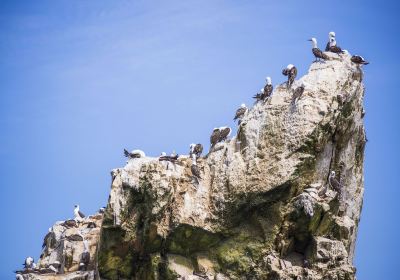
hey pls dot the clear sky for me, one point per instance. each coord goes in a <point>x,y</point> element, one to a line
<point>81,80</point>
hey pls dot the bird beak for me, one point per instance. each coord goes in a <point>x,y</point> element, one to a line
<point>309,40</point>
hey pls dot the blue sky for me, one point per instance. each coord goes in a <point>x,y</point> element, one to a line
<point>81,80</point>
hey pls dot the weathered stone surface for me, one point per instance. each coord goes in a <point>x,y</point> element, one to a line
<point>263,208</point>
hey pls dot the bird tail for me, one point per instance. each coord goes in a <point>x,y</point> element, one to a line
<point>126,153</point>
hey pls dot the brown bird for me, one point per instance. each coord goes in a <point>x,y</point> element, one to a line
<point>225,132</point>
<point>240,112</point>
<point>357,59</point>
<point>298,92</point>
<point>215,135</point>
<point>316,51</point>
<point>291,72</point>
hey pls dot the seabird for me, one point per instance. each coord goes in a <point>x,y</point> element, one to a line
<point>240,112</point>
<point>49,240</point>
<point>69,223</point>
<point>224,133</point>
<point>268,88</point>
<point>172,158</point>
<point>333,47</point>
<point>85,257</point>
<point>196,149</point>
<point>259,96</point>
<point>316,51</point>
<point>335,184</point>
<point>298,92</point>
<point>359,60</point>
<point>29,263</point>
<point>215,135</point>
<point>330,40</point>
<point>195,170</point>
<point>291,72</point>
<point>102,209</point>
<point>134,154</point>
<point>78,214</point>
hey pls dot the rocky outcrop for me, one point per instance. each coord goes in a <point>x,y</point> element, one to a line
<point>263,208</point>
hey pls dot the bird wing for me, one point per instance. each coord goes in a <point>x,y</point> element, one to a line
<point>224,133</point>
<point>285,72</point>
<point>81,214</point>
<point>214,137</point>
<point>328,45</point>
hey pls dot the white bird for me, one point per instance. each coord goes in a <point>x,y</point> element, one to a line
<point>78,214</point>
<point>29,263</point>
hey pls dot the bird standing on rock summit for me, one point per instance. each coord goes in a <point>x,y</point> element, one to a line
<point>240,113</point>
<point>291,72</point>
<point>331,37</point>
<point>316,51</point>
<point>78,214</point>
<point>332,46</point>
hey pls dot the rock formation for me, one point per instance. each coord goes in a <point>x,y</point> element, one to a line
<point>263,208</point>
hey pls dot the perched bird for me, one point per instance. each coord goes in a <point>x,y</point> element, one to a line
<point>224,133</point>
<point>359,60</point>
<point>268,88</point>
<point>298,92</point>
<point>331,37</point>
<point>316,51</point>
<point>102,209</point>
<point>196,149</point>
<point>85,257</point>
<point>335,184</point>
<point>259,96</point>
<point>78,214</point>
<point>215,135</point>
<point>291,72</point>
<point>29,263</point>
<point>134,154</point>
<point>49,241</point>
<point>172,158</point>
<point>195,170</point>
<point>69,223</point>
<point>240,113</point>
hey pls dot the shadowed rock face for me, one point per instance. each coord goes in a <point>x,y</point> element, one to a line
<point>263,208</point>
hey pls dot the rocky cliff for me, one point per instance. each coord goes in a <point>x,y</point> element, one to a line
<point>263,208</point>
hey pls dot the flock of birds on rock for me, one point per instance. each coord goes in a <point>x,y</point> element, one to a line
<point>222,133</point>
<point>195,150</point>
<point>50,243</point>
